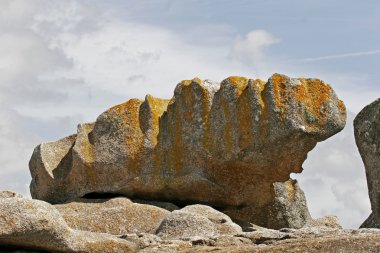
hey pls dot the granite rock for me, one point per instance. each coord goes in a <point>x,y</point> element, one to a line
<point>116,216</point>
<point>37,225</point>
<point>226,145</point>
<point>367,137</point>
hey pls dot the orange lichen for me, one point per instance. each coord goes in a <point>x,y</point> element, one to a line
<point>157,107</point>
<point>313,94</point>
<point>290,189</point>
<point>88,153</point>
<point>341,106</point>
<point>239,82</point>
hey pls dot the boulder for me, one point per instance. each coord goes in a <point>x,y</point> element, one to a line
<point>116,216</point>
<point>225,145</point>
<point>37,225</point>
<point>196,220</point>
<point>329,221</point>
<point>367,137</point>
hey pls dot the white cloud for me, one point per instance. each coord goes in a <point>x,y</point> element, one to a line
<point>251,49</point>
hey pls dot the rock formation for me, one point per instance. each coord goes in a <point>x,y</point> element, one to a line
<point>116,216</point>
<point>367,136</point>
<point>226,145</point>
<point>37,225</point>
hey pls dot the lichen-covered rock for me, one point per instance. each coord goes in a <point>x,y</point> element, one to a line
<point>116,216</point>
<point>224,145</point>
<point>367,137</point>
<point>37,225</point>
<point>196,220</point>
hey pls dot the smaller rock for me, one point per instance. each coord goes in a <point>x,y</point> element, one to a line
<point>9,194</point>
<point>181,224</point>
<point>196,220</point>
<point>367,138</point>
<point>37,225</point>
<point>223,223</point>
<point>370,222</point>
<point>116,216</point>
<point>330,221</point>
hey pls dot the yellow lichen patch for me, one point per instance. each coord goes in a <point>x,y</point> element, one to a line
<point>280,91</point>
<point>246,111</point>
<point>314,94</point>
<point>88,148</point>
<point>125,117</point>
<point>239,82</point>
<point>341,106</point>
<point>157,107</point>
<point>259,85</point>
<point>290,189</point>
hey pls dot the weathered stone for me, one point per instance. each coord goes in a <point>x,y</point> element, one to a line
<point>330,221</point>
<point>179,225</point>
<point>288,209</point>
<point>9,194</point>
<point>34,224</point>
<point>222,145</point>
<point>370,222</point>
<point>49,168</point>
<point>196,220</point>
<point>367,137</point>
<point>118,216</point>
<point>310,239</point>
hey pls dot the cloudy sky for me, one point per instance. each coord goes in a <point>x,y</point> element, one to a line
<point>64,62</point>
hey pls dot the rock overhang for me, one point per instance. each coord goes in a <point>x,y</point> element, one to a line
<point>220,144</point>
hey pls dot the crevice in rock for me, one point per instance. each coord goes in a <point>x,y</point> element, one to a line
<point>102,195</point>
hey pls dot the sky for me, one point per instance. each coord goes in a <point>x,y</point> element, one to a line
<point>65,62</point>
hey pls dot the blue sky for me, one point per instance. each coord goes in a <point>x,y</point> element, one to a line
<point>64,62</point>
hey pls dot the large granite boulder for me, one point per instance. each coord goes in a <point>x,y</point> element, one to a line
<point>367,136</point>
<point>37,225</point>
<point>225,145</point>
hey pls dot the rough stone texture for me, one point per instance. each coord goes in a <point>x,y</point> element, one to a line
<point>224,145</point>
<point>37,225</point>
<point>222,223</point>
<point>196,220</point>
<point>289,207</point>
<point>330,221</point>
<point>311,239</point>
<point>9,194</point>
<point>116,216</point>
<point>367,137</point>
<point>370,222</point>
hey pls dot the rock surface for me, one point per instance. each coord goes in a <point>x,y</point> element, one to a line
<point>116,216</point>
<point>225,145</point>
<point>37,225</point>
<point>318,239</point>
<point>196,220</point>
<point>367,137</point>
